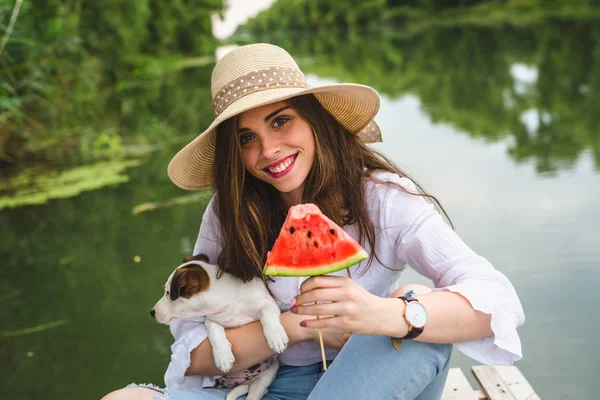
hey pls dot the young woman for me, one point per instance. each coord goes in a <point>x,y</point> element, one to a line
<point>275,143</point>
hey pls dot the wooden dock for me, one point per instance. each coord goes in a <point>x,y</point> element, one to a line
<point>497,383</point>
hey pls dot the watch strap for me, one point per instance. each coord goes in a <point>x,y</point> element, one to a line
<point>413,331</point>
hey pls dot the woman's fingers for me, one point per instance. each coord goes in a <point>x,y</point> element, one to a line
<point>323,323</point>
<point>329,294</point>
<point>323,282</point>
<point>320,310</point>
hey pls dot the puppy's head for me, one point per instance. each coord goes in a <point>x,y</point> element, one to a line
<point>184,291</point>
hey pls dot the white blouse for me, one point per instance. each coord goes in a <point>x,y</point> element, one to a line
<point>409,232</point>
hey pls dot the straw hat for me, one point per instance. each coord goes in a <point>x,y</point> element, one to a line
<point>258,74</point>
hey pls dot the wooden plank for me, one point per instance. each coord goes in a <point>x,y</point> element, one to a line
<point>504,383</point>
<point>458,387</point>
<point>481,395</point>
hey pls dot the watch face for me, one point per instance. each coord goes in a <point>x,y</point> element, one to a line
<point>416,314</point>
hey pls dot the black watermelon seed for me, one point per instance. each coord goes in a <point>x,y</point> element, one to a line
<point>292,229</point>
<point>332,231</point>
<point>316,244</point>
<point>309,234</point>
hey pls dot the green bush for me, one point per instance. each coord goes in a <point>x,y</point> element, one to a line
<point>72,69</point>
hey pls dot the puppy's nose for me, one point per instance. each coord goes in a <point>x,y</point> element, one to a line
<point>153,313</point>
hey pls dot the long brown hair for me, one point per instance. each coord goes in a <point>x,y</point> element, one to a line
<point>251,211</point>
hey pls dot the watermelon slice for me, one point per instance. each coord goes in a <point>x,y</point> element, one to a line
<point>311,244</point>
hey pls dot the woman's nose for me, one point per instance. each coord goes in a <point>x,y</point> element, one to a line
<point>270,147</point>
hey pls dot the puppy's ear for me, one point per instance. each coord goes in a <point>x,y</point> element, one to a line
<point>197,257</point>
<point>189,280</point>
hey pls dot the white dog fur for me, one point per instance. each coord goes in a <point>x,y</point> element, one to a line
<point>226,302</point>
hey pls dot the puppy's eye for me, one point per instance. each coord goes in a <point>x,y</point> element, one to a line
<point>167,294</point>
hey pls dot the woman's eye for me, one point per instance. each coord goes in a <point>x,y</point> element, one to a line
<point>245,139</point>
<point>279,121</point>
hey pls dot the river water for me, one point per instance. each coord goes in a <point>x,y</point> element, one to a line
<point>501,125</point>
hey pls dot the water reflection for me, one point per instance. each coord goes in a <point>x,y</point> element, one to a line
<point>139,117</point>
<point>73,259</point>
<point>536,87</point>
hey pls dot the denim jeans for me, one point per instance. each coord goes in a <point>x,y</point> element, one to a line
<point>367,368</point>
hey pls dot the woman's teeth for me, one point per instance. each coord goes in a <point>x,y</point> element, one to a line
<point>281,167</point>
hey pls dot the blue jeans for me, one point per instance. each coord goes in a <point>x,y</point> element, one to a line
<point>367,368</point>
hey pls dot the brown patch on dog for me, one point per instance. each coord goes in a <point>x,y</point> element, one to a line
<point>197,257</point>
<point>189,280</point>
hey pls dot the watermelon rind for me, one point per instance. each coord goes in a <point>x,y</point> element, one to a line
<point>281,270</point>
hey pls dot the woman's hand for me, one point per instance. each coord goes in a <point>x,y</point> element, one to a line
<point>348,307</point>
<point>334,338</point>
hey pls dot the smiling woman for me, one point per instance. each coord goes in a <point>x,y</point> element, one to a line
<point>275,143</point>
<point>278,147</point>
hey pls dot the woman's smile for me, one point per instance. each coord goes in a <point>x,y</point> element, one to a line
<point>282,167</point>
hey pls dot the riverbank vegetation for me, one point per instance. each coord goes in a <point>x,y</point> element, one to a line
<point>410,15</point>
<point>101,77</point>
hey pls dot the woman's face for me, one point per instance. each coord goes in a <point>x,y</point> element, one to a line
<point>278,147</point>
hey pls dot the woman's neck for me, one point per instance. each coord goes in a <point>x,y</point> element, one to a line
<point>292,198</point>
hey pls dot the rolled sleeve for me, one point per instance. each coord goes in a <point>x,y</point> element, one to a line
<point>427,244</point>
<point>188,333</point>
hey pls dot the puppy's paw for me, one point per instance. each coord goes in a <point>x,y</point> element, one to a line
<point>224,359</point>
<point>277,338</point>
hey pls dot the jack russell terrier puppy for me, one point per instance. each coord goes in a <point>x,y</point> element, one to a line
<point>194,290</point>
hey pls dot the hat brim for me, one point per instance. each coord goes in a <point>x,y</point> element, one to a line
<point>352,105</point>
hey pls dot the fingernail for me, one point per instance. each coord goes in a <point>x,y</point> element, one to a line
<point>293,302</point>
<point>294,309</point>
<point>303,324</point>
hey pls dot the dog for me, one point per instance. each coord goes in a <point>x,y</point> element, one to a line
<point>194,290</point>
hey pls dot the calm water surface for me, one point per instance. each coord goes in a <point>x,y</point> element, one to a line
<point>516,171</point>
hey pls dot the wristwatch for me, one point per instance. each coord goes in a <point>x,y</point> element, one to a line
<point>415,315</point>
